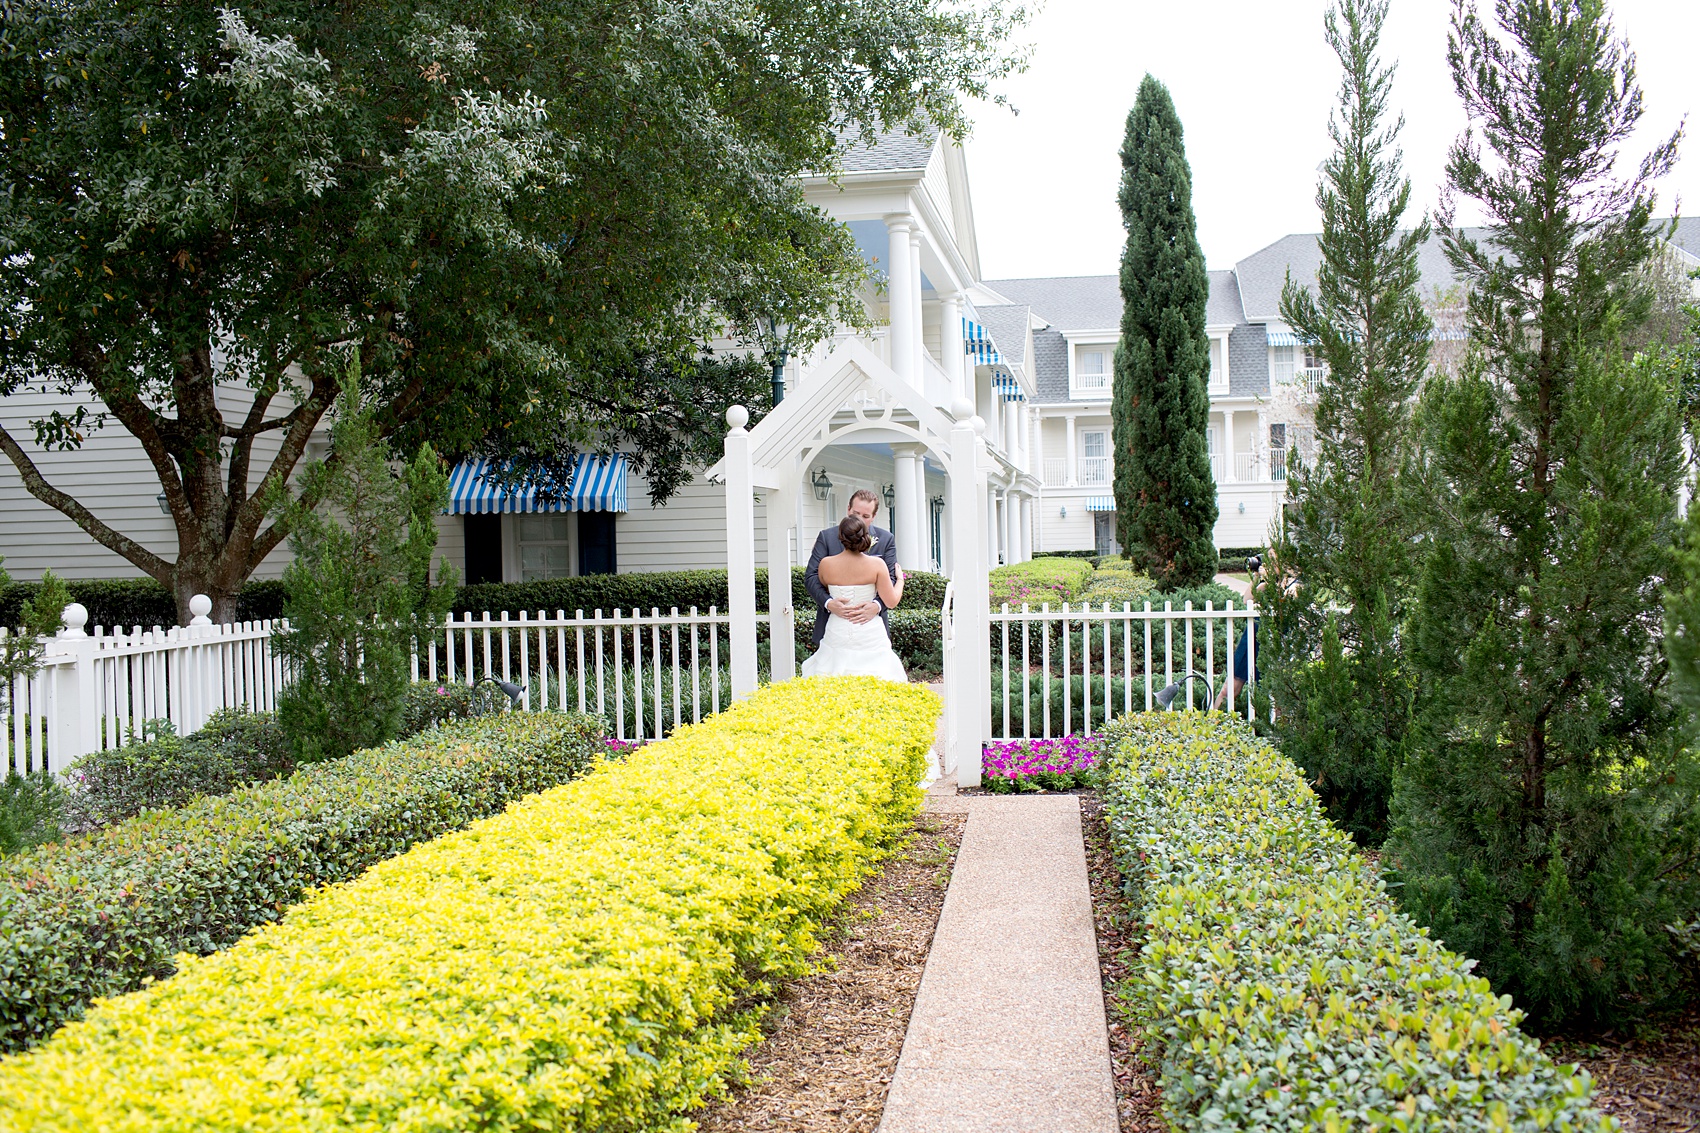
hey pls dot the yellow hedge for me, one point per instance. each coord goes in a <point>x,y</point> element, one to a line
<point>587,960</point>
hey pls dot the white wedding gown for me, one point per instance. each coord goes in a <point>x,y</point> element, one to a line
<point>850,650</point>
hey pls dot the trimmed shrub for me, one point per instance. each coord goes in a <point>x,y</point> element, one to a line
<point>131,602</point>
<point>1285,988</point>
<point>103,914</point>
<point>1053,580</point>
<point>430,703</point>
<point>594,959</point>
<point>234,749</point>
<point>1117,587</point>
<point>661,590</point>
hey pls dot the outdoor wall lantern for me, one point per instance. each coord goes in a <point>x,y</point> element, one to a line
<point>890,494</point>
<point>164,506</point>
<point>823,486</point>
<point>1063,511</point>
<point>1242,507</point>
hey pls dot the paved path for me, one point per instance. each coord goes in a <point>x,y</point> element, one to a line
<point>1008,1030</point>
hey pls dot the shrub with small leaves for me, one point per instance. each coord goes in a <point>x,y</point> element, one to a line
<point>1282,987</point>
<point>103,914</point>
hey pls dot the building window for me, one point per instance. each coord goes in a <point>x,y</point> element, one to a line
<point>1281,364</point>
<point>545,547</point>
<point>1095,456</point>
<point>1214,446</point>
<point>1278,450</point>
<point>596,543</point>
<point>1218,372</point>
<point>1092,370</point>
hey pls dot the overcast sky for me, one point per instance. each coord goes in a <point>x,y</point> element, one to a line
<point>1253,82</point>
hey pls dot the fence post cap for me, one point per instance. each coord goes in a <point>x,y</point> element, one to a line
<point>200,606</point>
<point>75,617</point>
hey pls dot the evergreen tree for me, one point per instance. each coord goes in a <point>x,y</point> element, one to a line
<point>1538,819</point>
<point>1160,405</point>
<point>359,592</point>
<point>1342,688</point>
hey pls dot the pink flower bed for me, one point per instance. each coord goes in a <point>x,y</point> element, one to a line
<point>1038,765</point>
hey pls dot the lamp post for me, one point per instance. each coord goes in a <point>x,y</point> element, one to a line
<point>778,352</point>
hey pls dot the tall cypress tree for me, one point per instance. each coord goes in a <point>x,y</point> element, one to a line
<point>1538,818</point>
<point>1160,406</point>
<point>1343,690</point>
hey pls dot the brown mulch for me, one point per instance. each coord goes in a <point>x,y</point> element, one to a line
<point>1649,1081</point>
<point>1137,1093</point>
<point>834,1037</point>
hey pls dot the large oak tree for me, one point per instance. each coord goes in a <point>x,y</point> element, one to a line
<point>526,219</point>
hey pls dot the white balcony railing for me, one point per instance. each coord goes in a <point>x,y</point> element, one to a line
<point>1310,379</point>
<point>1246,466</point>
<point>1094,471</point>
<point>1056,472</point>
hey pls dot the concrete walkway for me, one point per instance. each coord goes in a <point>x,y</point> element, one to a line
<point>1008,1030</point>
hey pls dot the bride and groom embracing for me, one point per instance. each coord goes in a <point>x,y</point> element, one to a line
<point>854,579</point>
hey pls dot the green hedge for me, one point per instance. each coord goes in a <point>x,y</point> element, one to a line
<point>1053,580</point>
<point>595,958</point>
<point>1285,988</point>
<point>129,602</point>
<point>659,590</point>
<point>101,915</point>
<point>232,750</point>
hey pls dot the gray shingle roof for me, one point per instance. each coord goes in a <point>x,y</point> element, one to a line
<point>1050,365</point>
<point>1248,360</point>
<point>1223,307</point>
<point>1688,235</point>
<point>1008,328</point>
<point>1072,302</point>
<point>892,151</point>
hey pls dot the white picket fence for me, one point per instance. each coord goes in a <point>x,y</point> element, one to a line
<point>1075,668</point>
<point>646,673</point>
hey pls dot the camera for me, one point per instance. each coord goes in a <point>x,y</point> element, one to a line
<point>1253,564</point>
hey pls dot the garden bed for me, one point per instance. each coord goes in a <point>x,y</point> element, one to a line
<point>833,1040</point>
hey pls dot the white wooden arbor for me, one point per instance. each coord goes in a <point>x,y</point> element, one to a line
<point>853,397</point>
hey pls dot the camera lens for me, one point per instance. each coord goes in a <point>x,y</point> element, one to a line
<point>1254,564</point>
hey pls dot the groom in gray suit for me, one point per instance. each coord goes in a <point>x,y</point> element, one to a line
<point>865,505</point>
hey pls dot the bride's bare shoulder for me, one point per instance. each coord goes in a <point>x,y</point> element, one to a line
<point>846,569</point>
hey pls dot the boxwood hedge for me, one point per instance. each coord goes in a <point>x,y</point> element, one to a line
<point>661,590</point>
<point>1284,988</point>
<point>593,959</point>
<point>103,914</point>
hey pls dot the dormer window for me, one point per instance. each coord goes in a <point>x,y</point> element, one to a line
<point>1092,370</point>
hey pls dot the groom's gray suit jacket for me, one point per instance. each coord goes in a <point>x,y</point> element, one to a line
<point>827,543</point>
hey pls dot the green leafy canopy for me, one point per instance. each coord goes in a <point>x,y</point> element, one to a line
<point>512,213</point>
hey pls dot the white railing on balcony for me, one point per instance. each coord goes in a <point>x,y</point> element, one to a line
<point>1310,379</point>
<point>1216,467</point>
<point>1246,466</point>
<point>1094,471</point>
<point>1056,471</point>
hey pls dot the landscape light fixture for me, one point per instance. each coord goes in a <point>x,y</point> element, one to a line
<point>1165,698</point>
<point>823,486</point>
<point>890,495</point>
<point>164,505</point>
<point>511,690</point>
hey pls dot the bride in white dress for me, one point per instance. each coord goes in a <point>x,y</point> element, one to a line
<point>848,649</point>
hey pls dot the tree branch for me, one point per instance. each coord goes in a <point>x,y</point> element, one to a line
<point>38,487</point>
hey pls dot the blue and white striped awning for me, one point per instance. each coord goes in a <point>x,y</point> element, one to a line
<point>977,341</point>
<point>1284,338</point>
<point>598,484</point>
<point>1007,387</point>
<point>1100,503</point>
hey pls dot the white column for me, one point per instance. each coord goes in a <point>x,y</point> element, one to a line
<point>1011,433</point>
<point>901,276</point>
<point>741,552</point>
<point>923,513</point>
<point>782,636</point>
<point>953,355</point>
<point>1071,477</point>
<point>1260,445</point>
<point>915,290</point>
<point>910,553</point>
<point>1026,528</point>
<point>1230,469</point>
<point>968,660</point>
<point>994,537</point>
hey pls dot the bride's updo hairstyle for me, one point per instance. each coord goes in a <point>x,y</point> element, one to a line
<point>853,533</point>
